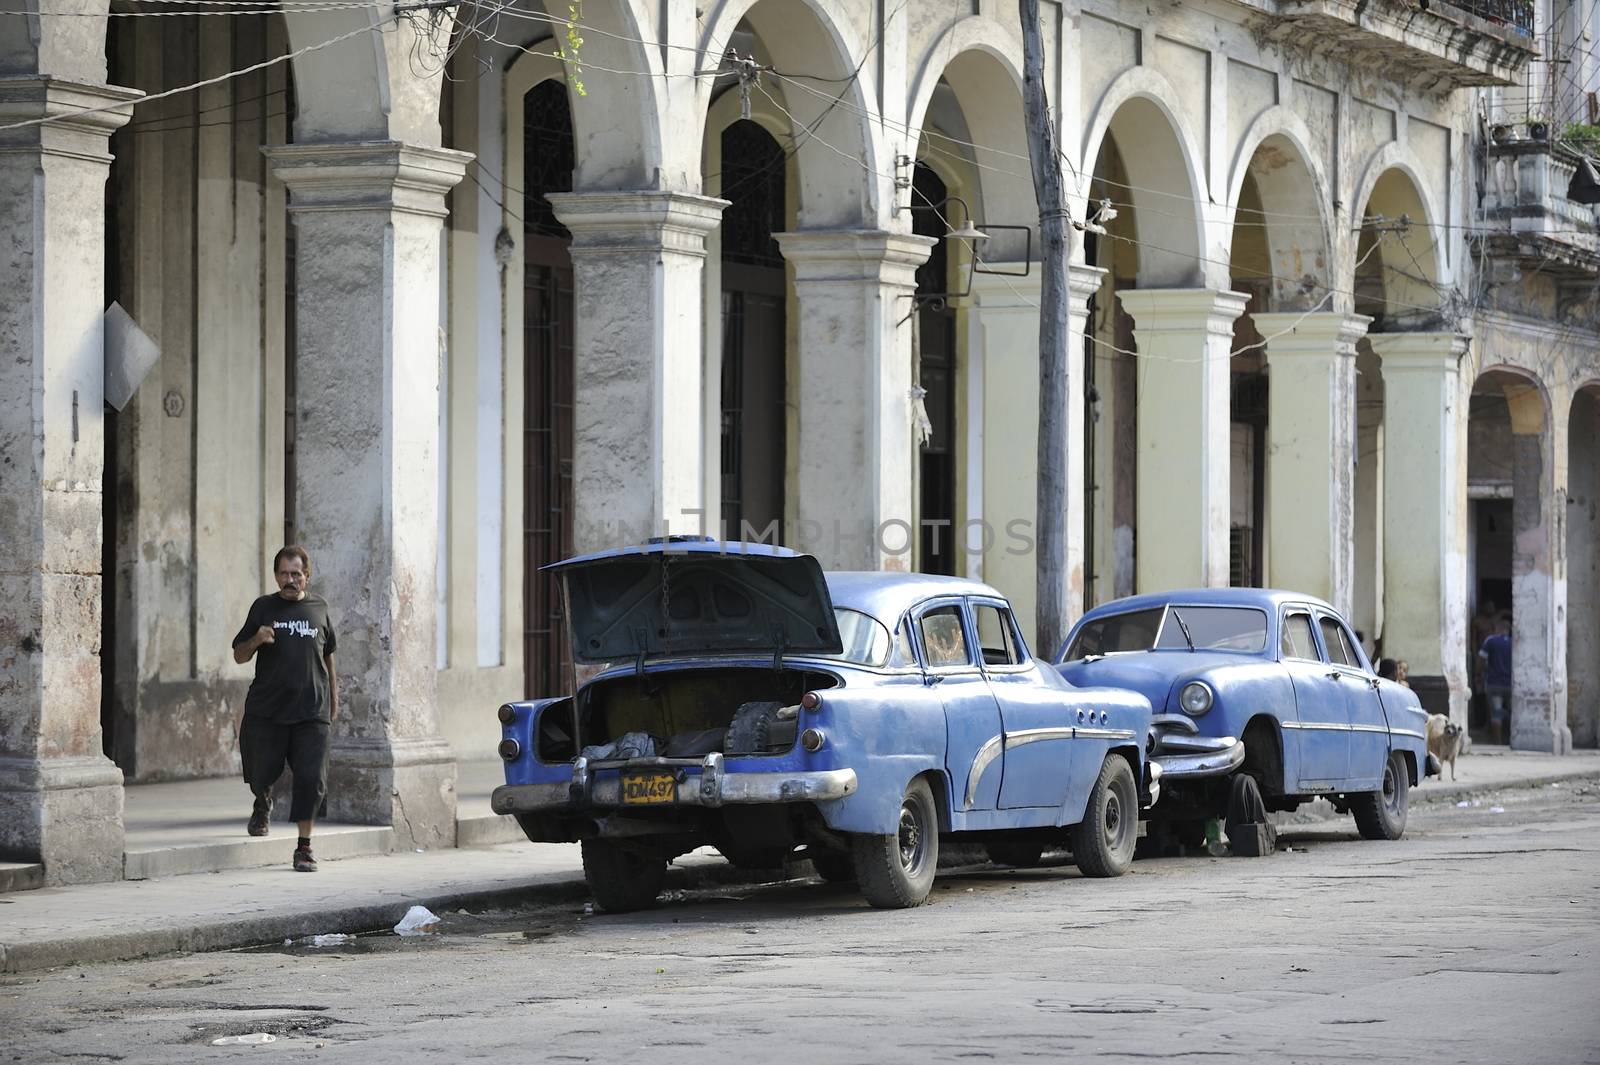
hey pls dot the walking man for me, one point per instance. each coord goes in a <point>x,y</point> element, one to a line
<point>293,699</point>
<point>1495,658</point>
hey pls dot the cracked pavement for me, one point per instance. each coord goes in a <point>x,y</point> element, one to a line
<point>1474,939</point>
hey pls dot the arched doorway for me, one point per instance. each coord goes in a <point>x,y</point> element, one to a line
<point>548,162</point>
<point>754,415</point>
<point>1508,560</point>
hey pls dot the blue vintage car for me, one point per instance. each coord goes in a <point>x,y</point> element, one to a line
<point>1269,685</point>
<point>746,701</point>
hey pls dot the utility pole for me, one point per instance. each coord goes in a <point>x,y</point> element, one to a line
<point>1052,484</point>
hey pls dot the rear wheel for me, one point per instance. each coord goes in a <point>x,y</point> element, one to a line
<point>1104,840</point>
<point>1020,853</point>
<point>896,871</point>
<point>1381,814</point>
<point>621,880</point>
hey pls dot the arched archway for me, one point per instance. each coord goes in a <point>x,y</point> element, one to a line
<point>1398,266</point>
<point>813,37</point>
<point>1583,566</point>
<point>1171,383</point>
<point>1513,574</point>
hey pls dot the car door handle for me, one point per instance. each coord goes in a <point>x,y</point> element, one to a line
<point>1333,674</point>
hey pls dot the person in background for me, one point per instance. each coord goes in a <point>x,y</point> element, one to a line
<point>1495,659</point>
<point>1386,668</point>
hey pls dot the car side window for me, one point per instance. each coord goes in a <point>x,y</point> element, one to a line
<point>1338,644</point>
<point>944,639</point>
<point>1297,641</point>
<point>995,635</point>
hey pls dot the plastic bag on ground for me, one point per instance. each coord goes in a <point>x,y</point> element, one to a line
<point>418,921</point>
<point>253,1039</point>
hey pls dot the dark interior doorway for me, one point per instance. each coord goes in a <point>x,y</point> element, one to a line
<point>548,159</point>
<point>936,375</point>
<point>754,336</point>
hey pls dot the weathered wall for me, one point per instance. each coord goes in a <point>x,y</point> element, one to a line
<point>1583,571</point>
<point>199,450</point>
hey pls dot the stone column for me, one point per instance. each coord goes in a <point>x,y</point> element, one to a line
<point>1538,579</point>
<point>1311,452</point>
<point>1082,282</point>
<point>1006,311</point>
<point>367,219</point>
<point>1184,337</point>
<point>855,440</point>
<point>1424,514</point>
<point>638,262</point>
<point>60,798</point>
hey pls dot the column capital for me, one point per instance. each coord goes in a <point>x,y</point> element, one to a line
<point>1324,333</point>
<point>1420,352</point>
<point>638,220</point>
<point>367,176</point>
<point>995,292</point>
<point>1184,310</point>
<point>81,116</point>
<point>1084,280</point>
<point>855,255</point>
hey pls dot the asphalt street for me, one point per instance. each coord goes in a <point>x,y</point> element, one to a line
<point>1474,939</point>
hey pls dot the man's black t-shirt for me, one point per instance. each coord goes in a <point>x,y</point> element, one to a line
<point>291,682</point>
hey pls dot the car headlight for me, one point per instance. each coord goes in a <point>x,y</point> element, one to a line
<point>1195,698</point>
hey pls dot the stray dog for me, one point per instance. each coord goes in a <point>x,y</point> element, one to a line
<point>1444,742</point>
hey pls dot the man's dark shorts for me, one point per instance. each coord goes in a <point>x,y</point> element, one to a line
<point>265,747</point>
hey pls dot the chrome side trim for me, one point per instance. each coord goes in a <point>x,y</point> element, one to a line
<point>1384,729</point>
<point>1326,726</point>
<point>1023,737</point>
<point>1104,733</point>
<point>1407,732</point>
<point>984,758</point>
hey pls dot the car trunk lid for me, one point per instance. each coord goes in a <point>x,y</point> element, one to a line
<point>692,597</point>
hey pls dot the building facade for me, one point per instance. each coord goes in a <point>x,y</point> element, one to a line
<point>446,294</point>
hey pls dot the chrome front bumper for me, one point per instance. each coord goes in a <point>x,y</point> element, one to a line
<point>1182,754</point>
<point>713,786</point>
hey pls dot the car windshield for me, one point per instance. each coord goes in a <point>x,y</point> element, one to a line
<point>1212,628</point>
<point>866,642</point>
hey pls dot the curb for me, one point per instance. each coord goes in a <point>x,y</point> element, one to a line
<point>1439,792</point>
<point>237,933</point>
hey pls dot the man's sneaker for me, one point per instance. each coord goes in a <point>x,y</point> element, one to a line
<point>258,820</point>
<point>303,862</point>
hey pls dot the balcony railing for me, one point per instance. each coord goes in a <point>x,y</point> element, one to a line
<point>1518,14</point>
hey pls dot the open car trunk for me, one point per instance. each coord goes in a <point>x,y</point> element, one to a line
<point>735,710</point>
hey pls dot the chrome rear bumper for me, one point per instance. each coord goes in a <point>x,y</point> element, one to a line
<point>713,786</point>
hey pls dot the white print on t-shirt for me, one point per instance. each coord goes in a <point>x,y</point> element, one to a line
<point>297,627</point>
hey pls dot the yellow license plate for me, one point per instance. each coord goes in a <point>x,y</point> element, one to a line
<point>643,789</point>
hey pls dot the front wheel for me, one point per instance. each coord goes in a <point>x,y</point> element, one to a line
<point>621,880</point>
<point>1104,840</point>
<point>896,871</point>
<point>1381,814</point>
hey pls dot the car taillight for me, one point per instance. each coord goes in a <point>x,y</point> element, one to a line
<point>811,700</point>
<point>507,714</point>
<point>812,739</point>
<point>509,749</point>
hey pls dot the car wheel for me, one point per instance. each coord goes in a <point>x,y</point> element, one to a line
<point>1020,853</point>
<point>1381,814</point>
<point>1104,840</point>
<point>833,866</point>
<point>896,871</point>
<point>621,880</point>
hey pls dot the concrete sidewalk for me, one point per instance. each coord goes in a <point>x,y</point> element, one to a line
<point>240,907</point>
